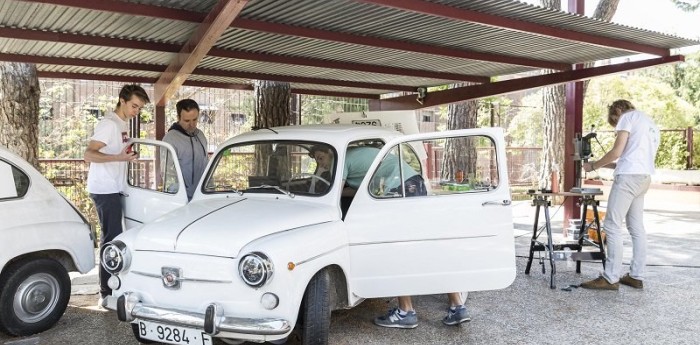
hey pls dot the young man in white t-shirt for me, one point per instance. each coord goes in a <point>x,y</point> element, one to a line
<point>107,154</point>
<point>635,150</point>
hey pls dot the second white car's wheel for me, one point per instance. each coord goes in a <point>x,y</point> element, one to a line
<point>33,296</point>
<point>316,312</point>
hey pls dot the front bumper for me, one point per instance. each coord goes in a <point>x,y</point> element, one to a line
<point>129,308</point>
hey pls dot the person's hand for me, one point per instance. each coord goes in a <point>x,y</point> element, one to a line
<point>588,166</point>
<point>128,154</point>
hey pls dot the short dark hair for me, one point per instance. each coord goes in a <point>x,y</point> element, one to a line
<point>130,90</point>
<point>317,148</point>
<point>186,105</point>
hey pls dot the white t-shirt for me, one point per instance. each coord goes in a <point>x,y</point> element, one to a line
<point>642,144</point>
<point>109,177</point>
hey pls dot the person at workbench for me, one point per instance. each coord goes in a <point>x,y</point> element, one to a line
<point>636,144</point>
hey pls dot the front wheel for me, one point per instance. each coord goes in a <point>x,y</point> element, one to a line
<point>33,296</point>
<point>316,312</point>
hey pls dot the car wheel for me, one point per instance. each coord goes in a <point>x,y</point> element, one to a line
<point>316,313</point>
<point>33,296</point>
<point>137,335</point>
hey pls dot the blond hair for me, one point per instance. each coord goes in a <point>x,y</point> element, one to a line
<point>621,104</point>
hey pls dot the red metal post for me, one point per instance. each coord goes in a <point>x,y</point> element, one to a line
<point>689,145</point>
<point>573,125</point>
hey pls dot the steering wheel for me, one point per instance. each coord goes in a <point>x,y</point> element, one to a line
<point>313,177</point>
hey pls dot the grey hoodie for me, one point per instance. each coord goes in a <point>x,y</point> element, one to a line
<point>191,154</point>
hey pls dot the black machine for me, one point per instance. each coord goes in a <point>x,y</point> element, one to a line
<point>582,152</point>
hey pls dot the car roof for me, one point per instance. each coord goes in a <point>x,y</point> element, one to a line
<point>334,134</point>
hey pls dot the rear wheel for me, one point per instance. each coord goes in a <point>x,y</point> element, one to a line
<point>33,296</point>
<point>316,312</point>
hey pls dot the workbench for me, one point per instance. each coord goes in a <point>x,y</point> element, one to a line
<point>555,252</point>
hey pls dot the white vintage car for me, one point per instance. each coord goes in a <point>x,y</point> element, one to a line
<point>269,244</point>
<point>42,238</point>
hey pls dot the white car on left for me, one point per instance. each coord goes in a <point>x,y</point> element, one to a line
<point>42,238</point>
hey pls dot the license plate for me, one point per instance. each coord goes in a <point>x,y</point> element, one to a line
<point>173,334</point>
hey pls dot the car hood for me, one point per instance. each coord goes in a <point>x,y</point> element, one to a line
<point>221,227</point>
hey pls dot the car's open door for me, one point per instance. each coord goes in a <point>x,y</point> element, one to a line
<point>154,184</point>
<point>453,234</point>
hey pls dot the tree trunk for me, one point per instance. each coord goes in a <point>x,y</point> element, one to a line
<point>604,11</point>
<point>19,109</point>
<point>459,155</point>
<point>554,106</point>
<point>272,108</point>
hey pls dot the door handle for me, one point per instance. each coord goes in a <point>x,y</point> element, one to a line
<point>496,203</point>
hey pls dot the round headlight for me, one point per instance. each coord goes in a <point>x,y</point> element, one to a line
<point>255,269</point>
<point>115,257</point>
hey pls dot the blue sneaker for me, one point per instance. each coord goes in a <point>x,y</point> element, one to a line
<point>456,315</point>
<point>394,319</point>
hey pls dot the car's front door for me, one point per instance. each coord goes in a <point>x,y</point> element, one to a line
<point>447,228</point>
<point>154,183</point>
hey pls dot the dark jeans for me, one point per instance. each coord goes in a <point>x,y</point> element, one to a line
<point>109,210</point>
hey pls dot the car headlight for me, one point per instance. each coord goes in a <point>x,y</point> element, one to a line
<point>255,269</point>
<point>115,257</point>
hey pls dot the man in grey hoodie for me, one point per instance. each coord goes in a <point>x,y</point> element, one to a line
<point>190,144</point>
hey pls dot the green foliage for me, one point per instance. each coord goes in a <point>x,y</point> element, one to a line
<point>687,5</point>
<point>654,97</point>
<point>314,109</point>
<point>525,128</point>
<point>683,77</point>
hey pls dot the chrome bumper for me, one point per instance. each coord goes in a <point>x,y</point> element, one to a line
<point>129,307</point>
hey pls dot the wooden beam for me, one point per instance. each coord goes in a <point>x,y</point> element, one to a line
<point>146,80</point>
<point>35,35</point>
<point>197,47</point>
<point>497,88</point>
<point>200,71</point>
<point>450,12</point>
<point>289,30</point>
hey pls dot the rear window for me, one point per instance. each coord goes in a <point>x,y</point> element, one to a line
<point>14,183</point>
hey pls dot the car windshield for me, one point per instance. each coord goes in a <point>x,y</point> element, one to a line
<point>275,167</point>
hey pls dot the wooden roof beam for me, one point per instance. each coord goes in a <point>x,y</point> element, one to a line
<point>444,11</point>
<point>197,47</point>
<point>198,71</point>
<point>289,30</point>
<point>36,35</point>
<point>146,80</point>
<point>502,87</point>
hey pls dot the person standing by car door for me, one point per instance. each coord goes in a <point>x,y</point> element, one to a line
<point>190,144</point>
<point>108,156</point>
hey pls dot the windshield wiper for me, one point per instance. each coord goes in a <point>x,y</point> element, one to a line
<point>267,186</point>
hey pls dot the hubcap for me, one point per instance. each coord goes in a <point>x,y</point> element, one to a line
<point>36,297</point>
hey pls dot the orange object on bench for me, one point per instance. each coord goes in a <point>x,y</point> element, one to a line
<point>592,233</point>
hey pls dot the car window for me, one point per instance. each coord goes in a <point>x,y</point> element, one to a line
<point>399,174</point>
<point>14,183</point>
<point>437,167</point>
<point>153,170</point>
<point>299,167</point>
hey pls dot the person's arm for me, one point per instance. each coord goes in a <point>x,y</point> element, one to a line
<point>612,155</point>
<point>93,154</point>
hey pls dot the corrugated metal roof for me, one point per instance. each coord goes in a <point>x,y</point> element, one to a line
<point>314,57</point>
